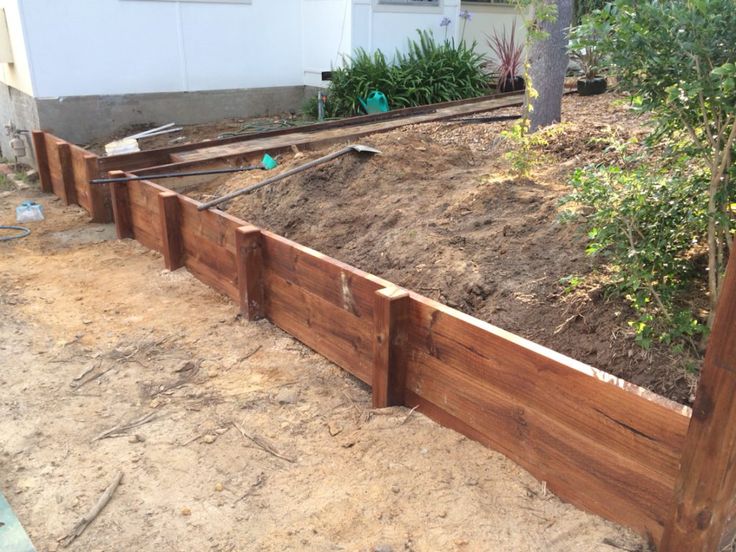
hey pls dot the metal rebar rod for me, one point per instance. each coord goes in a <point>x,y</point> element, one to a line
<point>177,175</point>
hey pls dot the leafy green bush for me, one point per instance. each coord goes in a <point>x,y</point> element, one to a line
<point>678,60</point>
<point>429,72</point>
<point>647,224</point>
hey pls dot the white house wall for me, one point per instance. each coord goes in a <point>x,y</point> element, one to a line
<point>104,47</point>
<point>489,17</point>
<point>388,27</point>
<point>326,38</point>
<point>18,73</point>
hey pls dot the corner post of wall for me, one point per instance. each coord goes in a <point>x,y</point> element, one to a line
<point>67,173</point>
<point>42,160</point>
<point>390,354</point>
<point>169,210</point>
<point>249,258</point>
<point>121,206</point>
<point>100,208</point>
<point>703,514</point>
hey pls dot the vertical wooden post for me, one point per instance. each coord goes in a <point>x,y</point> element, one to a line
<point>169,210</point>
<point>704,508</point>
<point>99,196</point>
<point>121,207</point>
<point>67,173</point>
<point>42,160</point>
<point>391,322</point>
<point>249,249</point>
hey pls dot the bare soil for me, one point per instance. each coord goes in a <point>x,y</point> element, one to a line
<point>95,334</point>
<point>203,132</point>
<point>441,212</point>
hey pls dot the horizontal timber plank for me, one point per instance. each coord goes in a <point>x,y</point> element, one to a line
<point>336,282</point>
<point>330,330</point>
<point>516,393</point>
<point>545,377</point>
<point>573,467</point>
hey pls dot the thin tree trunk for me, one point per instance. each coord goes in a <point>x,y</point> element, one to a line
<point>548,59</point>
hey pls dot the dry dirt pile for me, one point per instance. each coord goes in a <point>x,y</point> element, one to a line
<point>439,213</point>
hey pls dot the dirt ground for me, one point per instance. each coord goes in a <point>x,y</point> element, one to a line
<point>203,132</point>
<point>248,440</point>
<point>441,213</point>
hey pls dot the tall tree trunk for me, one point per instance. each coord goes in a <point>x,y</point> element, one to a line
<point>548,59</point>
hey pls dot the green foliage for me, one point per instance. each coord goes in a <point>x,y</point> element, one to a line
<point>584,41</point>
<point>524,148</point>
<point>584,7</point>
<point>678,60</point>
<point>647,225</point>
<point>429,72</point>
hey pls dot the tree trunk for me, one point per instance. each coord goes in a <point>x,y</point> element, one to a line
<point>548,59</point>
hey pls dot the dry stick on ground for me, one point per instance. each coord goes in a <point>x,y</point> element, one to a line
<point>263,444</point>
<point>83,523</point>
<point>260,480</point>
<point>80,384</point>
<point>121,429</point>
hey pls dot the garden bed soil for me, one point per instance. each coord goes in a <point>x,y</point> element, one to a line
<point>440,213</point>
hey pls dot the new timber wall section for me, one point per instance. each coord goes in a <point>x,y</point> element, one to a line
<point>601,443</point>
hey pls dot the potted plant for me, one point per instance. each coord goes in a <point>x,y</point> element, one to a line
<point>509,55</point>
<point>583,48</point>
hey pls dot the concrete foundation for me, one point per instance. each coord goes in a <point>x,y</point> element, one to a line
<point>81,119</point>
<point>20,109</point>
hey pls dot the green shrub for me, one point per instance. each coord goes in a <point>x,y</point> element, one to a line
<point>428,72</point>
<point>648,225</point>
<point>678,60</point>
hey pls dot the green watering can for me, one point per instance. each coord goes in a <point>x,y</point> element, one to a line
<point>376,102</point>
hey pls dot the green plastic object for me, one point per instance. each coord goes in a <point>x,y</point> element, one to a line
<point>269,163</point>
<point>13,537</point>
<point>376,102</point>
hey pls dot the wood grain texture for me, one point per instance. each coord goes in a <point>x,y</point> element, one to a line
<point>42,160</point>
<point>82,186</point>
<point>145,214</point>
<point>208,239</point>
<point>522,397</point>
<point>338,283</point>
<point>702,514</point>
<point>55,171</point>
<point>390,347</point>
<point>122,209</point>
<point>66,165</point>
<point>249,253</point>
<point>170,222</point>
<point>332,331</point>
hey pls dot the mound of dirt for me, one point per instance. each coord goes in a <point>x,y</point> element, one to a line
<point>439,213</point>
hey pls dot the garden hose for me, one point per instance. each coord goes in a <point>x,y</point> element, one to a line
<point>23,232</point>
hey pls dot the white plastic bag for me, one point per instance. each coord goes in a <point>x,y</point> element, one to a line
<point>29,211</point>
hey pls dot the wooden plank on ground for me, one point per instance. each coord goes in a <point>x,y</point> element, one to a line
<point>492,380</point>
